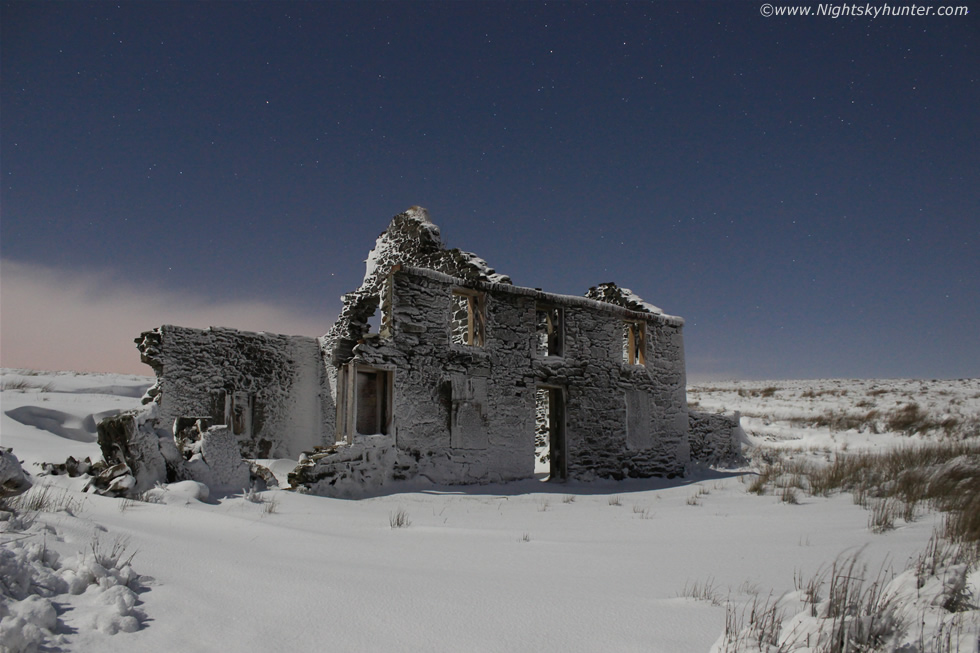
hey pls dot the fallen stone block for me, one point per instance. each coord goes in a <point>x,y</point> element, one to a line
<point>13,479</point>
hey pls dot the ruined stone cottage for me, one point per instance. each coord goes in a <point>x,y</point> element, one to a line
<point>440,369</point>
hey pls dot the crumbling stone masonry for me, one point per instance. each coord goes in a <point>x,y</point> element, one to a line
<point>269,389</point>
<point>716,439</point>
<point>460,375</point>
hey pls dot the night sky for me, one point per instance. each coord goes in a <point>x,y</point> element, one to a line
<point>805,192</point>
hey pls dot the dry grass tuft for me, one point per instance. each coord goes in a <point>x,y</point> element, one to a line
<point>44,498</point>
<point>399,519</point>
<point>944,476</point>
<point>705,591</point>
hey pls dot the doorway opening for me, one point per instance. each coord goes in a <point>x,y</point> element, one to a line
<point>550,457</point>
<point>364,402</point>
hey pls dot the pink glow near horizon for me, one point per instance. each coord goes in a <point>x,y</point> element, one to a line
<point>86,321</point>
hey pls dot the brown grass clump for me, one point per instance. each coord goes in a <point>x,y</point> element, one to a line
<point>944,476</point>
<point>909,419</point>
<point>768,391</point>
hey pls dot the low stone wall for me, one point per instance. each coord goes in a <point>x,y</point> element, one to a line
<point>352,470</point>
<point>716,439</point>
<point>375,462</point>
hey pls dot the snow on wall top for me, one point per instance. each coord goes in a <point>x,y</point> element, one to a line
<point>628,311</point>
<point>610,293</point>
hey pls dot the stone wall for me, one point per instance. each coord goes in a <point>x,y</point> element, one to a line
<point>622,420</point>
<point>467,414</point>
<point>478,398</point>
<point>716,439</point>
<point>273,386</point>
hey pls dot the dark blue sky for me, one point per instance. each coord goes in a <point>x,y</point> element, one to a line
<point>804,191</point>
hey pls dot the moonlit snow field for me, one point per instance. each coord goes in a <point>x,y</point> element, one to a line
<point>527,566</point>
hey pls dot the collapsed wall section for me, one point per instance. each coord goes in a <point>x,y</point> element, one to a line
<point>268,388</point>
<point>410,239</point>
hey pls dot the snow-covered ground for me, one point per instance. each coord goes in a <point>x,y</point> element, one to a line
<point>836,413</point>
<point>529,566</point>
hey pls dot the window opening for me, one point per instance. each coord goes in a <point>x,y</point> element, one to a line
<point>550,331</point>
<point>375,321</point>
<point>387,318</point>
<point>468,321</point>
<point>634,343</point>
<point>238,411</point>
